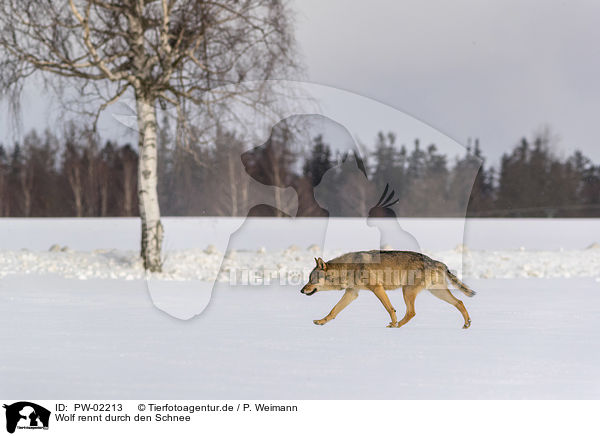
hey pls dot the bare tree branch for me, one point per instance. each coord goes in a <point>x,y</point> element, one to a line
<point>206,57</point>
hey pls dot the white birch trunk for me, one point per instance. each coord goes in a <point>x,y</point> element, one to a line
<point>152,230</point>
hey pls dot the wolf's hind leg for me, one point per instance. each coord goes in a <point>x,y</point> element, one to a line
<point>410,294</point>
<point>348,297</point>
<point>446,295</point>
<point>379,291</point>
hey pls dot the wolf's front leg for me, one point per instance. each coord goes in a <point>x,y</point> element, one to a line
<point>348,297</point>
<point>379,291</point>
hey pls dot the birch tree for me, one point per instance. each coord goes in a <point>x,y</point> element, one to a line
<point>162,52</point>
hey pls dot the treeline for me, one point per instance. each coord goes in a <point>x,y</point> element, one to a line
<point>79,175</point>
<point>45,176</point>
<point>532,181</point>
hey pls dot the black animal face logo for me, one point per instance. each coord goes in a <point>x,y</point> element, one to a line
<point>31,414</point>
<point>383,208</point>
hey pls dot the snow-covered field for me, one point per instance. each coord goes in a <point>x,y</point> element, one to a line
<point>104,339</point>
<point>535,332</point>
<point>211,265</point>
<point>199,249</point>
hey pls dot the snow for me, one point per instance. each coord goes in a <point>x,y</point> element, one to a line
<point>80,319</point>
<point>530,339</point>
<point>210,265</point>
<point>200,249</point>
<point>87,234</point>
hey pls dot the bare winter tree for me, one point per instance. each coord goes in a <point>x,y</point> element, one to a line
<point>162,52</point>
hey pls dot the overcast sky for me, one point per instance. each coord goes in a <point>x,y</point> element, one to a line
<point>496,70</point>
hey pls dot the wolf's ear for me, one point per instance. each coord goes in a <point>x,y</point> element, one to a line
<point>321,264</point>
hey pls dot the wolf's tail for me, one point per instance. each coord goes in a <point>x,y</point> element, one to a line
<point>460,285</point>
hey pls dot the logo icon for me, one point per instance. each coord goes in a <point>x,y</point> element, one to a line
<point>26,415</point>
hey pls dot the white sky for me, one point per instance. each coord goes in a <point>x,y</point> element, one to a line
<point>496,70</point>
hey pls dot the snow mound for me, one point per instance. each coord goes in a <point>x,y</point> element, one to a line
<point>209,265</point>
<point>211,249</point>
<point>314,248</point>
<point>461,248</point>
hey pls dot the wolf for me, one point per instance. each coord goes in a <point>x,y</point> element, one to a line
<point>379,271</point>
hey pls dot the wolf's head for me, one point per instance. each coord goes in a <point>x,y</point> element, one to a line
<point>322,278</point>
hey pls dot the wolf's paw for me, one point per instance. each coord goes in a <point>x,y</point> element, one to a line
<point>319,321</point>
<point>467,324</point>
<point>392,325</point>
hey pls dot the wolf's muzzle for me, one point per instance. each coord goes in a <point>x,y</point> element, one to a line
<point>308,293</point>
